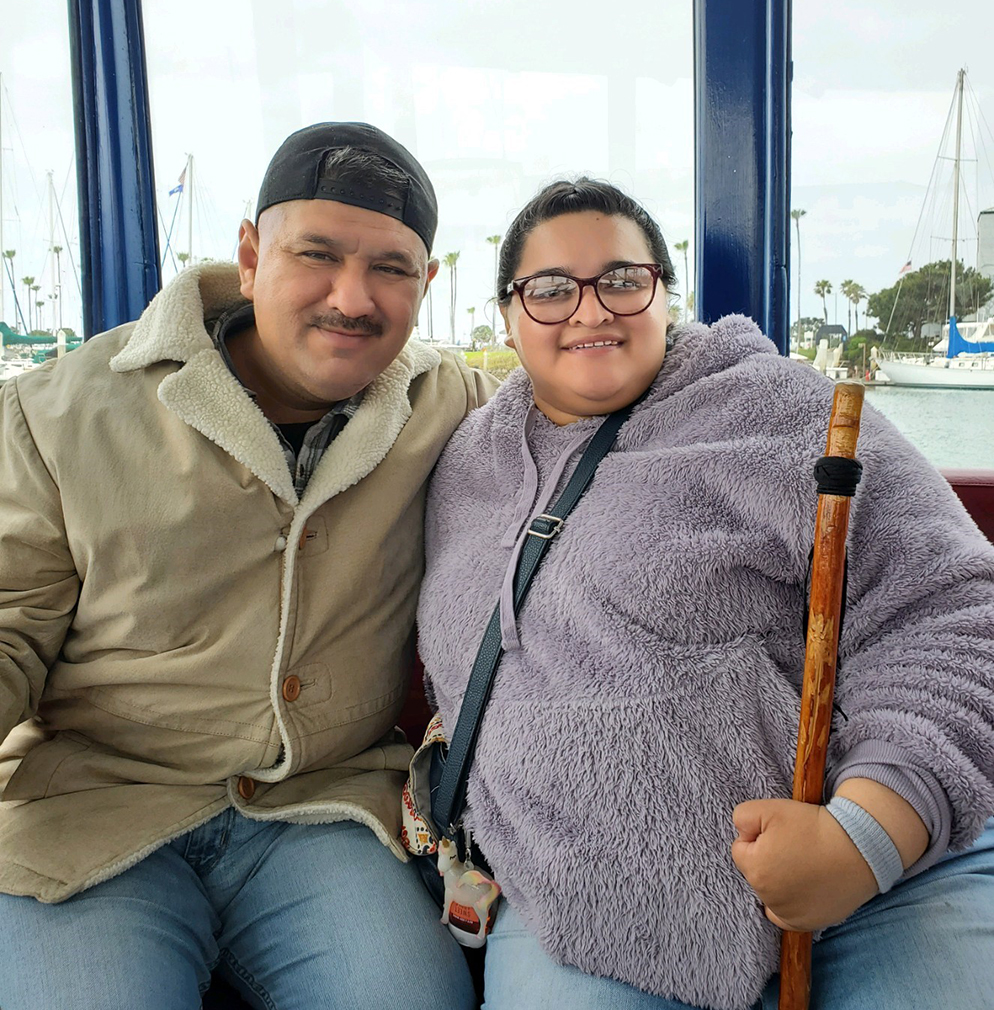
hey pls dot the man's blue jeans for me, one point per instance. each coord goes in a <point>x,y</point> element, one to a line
<point>296,917</point>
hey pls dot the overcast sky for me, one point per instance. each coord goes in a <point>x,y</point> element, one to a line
<point>497,97</point>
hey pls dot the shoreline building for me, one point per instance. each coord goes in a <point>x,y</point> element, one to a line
<point>985,243</point>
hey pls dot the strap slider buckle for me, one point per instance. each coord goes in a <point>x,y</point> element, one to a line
<point>545,526</point>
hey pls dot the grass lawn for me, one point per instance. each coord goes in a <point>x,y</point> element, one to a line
<point>497,362</point>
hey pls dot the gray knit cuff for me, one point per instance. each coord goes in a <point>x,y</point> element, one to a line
<point>893,767</point>
<point>874,844</point>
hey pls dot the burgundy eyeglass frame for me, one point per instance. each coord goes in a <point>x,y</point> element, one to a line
<point>516,287</point>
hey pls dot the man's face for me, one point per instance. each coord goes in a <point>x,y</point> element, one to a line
<point>336,291</point>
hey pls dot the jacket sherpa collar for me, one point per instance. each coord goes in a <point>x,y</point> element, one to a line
<point>205,394</point>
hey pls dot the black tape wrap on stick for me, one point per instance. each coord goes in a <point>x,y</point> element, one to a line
<point>838,475</point>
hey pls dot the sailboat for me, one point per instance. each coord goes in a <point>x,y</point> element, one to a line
<point>956,362</point>
<point>964,358</point>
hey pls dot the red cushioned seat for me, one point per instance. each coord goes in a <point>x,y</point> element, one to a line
<point>976,490</point>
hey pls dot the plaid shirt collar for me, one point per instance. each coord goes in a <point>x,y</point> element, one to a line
<point>320,434</point>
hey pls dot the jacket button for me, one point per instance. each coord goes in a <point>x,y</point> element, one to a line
<point>246,787</point>
<point>303,539</point>
<point>280,544</point>
<point>291,687</point>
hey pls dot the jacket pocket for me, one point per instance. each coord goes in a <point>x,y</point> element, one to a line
<point>33,777</point>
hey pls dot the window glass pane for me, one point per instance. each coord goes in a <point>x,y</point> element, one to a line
<point>495,99</point>
<point>39,231</point>
<point>873,93</point>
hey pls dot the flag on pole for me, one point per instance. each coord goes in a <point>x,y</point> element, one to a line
<point>182,179</point>
<point>906,269</point>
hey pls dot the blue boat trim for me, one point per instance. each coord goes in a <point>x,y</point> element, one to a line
<point>958,344</point>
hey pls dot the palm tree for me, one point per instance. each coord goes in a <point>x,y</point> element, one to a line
<point>846,287</point>
<point>682,247</point>
<point>472,319</point>
<point>9,254</point>
<point>450,260</point>
<point>494,240</point>
<point>27,282</point>
<point>182,257</point>
<point>36,288</point>
<point>797,215</point>
<point>823,288</point>
<point>856,294</point>
<point>40,304</point>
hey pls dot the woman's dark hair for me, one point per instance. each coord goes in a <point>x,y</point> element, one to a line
<point>570,196</point>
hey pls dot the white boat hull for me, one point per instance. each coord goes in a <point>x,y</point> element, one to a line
<point>943,373</point>
<point>11,369</point>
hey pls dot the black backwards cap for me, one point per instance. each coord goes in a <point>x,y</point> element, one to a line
<point>295,174</point>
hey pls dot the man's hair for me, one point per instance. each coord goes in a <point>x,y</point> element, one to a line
<point>571,196</point>
<point>353,164</point>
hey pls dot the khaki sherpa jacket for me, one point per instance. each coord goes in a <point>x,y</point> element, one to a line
<point>160,581</point>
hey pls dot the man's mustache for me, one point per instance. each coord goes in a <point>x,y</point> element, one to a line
<point>336,321</point>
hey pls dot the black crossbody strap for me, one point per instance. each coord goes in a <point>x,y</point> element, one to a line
<point>450,797</point>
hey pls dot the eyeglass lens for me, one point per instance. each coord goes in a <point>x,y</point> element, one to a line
<point>624,291</point>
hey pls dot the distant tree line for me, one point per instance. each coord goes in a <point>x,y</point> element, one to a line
<point>903,310</point>
<point>922,297</point>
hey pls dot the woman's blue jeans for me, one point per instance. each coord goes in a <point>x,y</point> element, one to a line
<point>928,944</point>
<point>296,917</point>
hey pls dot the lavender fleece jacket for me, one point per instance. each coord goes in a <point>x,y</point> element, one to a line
<point>652,679</point>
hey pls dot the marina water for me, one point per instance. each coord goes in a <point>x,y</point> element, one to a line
<point>952,428</point>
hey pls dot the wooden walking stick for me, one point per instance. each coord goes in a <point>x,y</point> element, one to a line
<point>821,653</point>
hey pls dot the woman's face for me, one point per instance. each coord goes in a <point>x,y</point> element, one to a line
<point>571,378</point>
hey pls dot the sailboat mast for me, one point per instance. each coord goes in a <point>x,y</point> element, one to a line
<point>51,242</point>
<point>959,137</point>
<point>189,209</point>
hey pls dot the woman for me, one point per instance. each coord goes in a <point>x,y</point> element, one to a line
<point>630,779</point>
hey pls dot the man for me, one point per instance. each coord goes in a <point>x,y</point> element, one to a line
<point>210,551</point>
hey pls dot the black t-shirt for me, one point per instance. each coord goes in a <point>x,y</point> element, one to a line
<point>295,434</point>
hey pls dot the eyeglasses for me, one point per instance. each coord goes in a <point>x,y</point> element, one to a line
<point>554,297</point>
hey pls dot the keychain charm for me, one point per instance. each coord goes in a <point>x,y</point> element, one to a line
<point>470,903</point>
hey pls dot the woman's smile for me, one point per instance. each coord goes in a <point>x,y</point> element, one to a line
<point>593,345</point>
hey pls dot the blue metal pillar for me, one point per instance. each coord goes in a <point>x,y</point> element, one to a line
<point>742,133</point>
<point>119,245</point>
